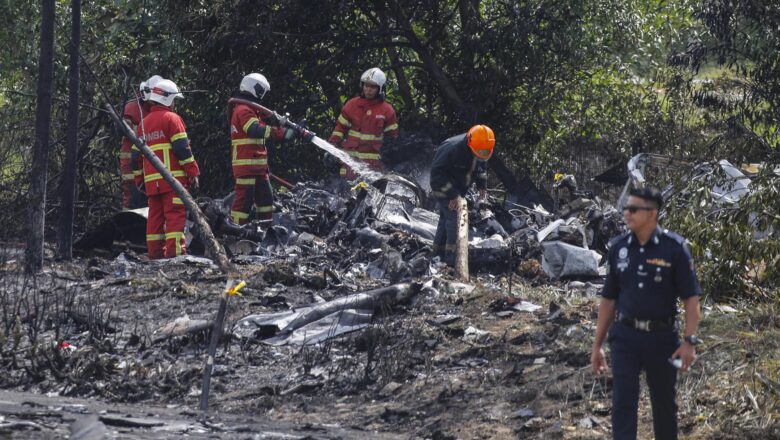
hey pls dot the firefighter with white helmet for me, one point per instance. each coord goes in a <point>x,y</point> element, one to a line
<point>146,86</point>
<point>166,135</point>
<point>250,138</point>
<point>365,121</point>
<point>164,93</point>
<point>133,113</point>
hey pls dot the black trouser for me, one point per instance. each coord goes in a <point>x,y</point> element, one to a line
<point>137,198</point>
<point>633,351</point>
<point>446,233</point>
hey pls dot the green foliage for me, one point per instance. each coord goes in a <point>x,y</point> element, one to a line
<point>560,81</point>
<point>735,244</point>
<point>740,36</point>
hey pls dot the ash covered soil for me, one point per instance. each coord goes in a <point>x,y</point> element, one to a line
<point>112,345</point>
<point>456,361</point>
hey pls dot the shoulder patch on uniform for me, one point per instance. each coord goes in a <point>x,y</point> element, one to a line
<point>617,239</point>
<point>673,236</point>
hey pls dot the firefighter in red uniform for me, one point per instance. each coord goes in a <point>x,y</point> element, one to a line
<point>165,134</point>
<point>133,114</point>
<point>250,137</point>
<point>364,122</point>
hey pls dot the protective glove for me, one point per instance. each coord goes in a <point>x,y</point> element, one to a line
<point>194,183</point>
<point>274,119</point>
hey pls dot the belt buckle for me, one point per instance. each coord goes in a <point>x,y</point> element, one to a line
<point>643,325</point>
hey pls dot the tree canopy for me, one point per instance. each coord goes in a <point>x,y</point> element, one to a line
<point>560,81</point>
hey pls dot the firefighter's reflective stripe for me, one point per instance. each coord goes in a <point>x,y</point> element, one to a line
<point>176,201</point>
<point>239,162</point>
<point>177,237</point>
<point>247,141</point>
<point>367,156</point>
<point>187,160</point>
<point>264,208</point>
<point>344,121</point>
<point>125,155</point>
<point>364,137</point>
<point>155,237</point>
<point>237,216</point>
<point>157,176</point>
<point>177,136</point>
<point>245,181</point>
<point>249,124</point>
<point>129,176</point>
<point>338,134</point>
<point>343,171</point>
<point>138,173</point>
<point>391,127</point>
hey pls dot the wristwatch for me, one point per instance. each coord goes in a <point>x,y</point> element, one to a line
<point>692,339</point>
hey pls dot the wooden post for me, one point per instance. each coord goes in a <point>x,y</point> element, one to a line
<point>462,244</point>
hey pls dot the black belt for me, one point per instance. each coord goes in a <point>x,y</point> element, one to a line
<point>647,325</point>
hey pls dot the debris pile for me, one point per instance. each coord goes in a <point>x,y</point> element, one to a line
<point>346,323</point>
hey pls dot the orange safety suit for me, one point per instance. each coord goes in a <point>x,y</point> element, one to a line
<point>132,198</point>
<point>360,130</point>
<point>249,137</point>
<point>166,135</point>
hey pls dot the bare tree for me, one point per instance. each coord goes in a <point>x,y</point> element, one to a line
<point>40,156</point>
<point>68,188</point>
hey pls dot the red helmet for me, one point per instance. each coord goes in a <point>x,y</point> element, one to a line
<point>481,140</point>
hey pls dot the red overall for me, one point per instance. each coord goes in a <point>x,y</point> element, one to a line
<point>250,164</point>
<point>134,111</point>
<point>360,129</point>
<point>166,135</point>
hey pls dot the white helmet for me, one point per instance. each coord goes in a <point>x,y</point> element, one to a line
<point>256,85</point>
<point>374,76</point>
<point>164,92</point>
<point>146,86</point>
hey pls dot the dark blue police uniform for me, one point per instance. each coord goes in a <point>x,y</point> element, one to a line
<point>645,282</point>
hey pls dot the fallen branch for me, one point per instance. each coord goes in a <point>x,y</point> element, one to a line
<point>203,230</point>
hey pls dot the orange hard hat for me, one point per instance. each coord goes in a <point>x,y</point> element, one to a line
<point>481,141</point>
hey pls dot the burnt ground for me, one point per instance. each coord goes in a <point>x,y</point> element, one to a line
<point>455,362</point>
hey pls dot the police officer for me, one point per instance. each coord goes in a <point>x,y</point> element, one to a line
<point>649,268</point>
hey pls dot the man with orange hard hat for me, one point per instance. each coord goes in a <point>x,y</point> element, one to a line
<point>459,161</point>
